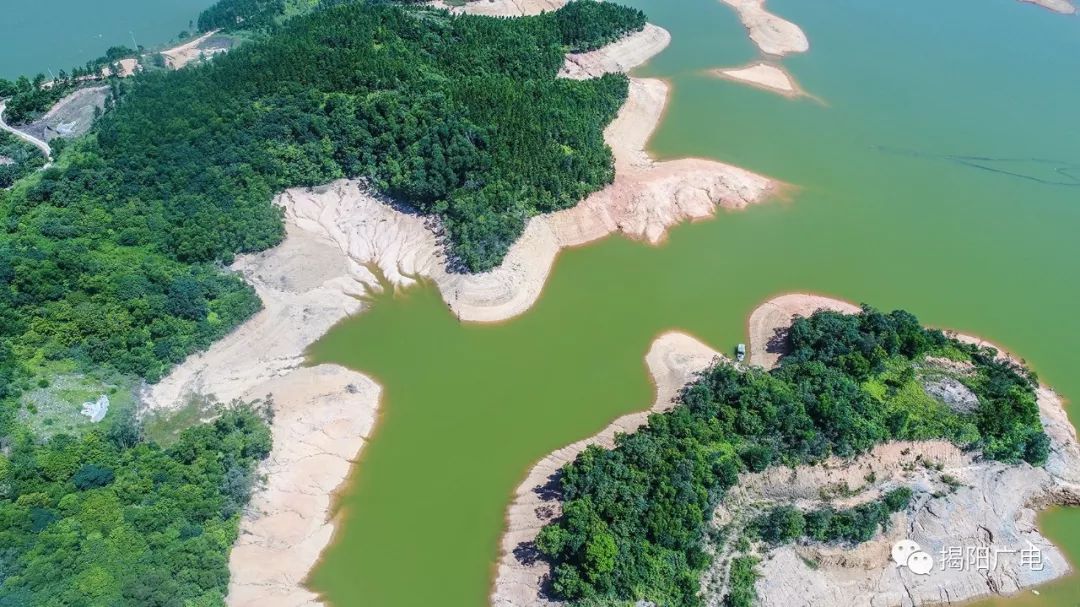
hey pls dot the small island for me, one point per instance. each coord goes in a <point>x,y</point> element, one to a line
<point>759,484</point>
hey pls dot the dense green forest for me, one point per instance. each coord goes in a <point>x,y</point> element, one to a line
<point>18,159</point>
<point>636,517</point>
<point>111,519</point>
<point>112,256</point>
<point>246,14</point>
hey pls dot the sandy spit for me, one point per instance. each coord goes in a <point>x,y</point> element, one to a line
<point>765,76</point>
<point>342,242</point>
<point>1058,6</point>
<point>773,35</point>
<point>994,506</point>
<point>673,360</point>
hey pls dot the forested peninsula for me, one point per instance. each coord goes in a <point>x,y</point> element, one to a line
<point>637,519</point>
<point>111,260</point>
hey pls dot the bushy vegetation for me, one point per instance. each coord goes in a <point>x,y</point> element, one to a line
<point>635,516</point>
<point>741,582</point>
<point>112,256</point>
<point>110,519</point>
<point>18,159</point>
<point>784,524</point>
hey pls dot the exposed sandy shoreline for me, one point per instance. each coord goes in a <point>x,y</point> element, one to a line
<point>339,237</point>
<point>645,199</point>
<point>672,360</point>
<point>766,76</point>
<point>1058,6</point>
<point>322,416</point>
<point>995,506</point>
<point>772,34</point>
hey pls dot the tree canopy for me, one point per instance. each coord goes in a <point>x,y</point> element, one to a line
<point>117,250</point>
<point>636,517</point>
<point>110,519</point>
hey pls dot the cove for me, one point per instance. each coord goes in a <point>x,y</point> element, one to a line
<point>61,34</point>
<point>930,179</point>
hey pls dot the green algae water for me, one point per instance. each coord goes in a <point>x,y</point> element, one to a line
<point>60,34</point>
<point>941,174</point>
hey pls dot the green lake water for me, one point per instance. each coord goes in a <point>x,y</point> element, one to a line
<point>940,175</point>
<point>60,34</point>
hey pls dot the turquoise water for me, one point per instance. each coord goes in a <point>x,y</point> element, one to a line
<point>60,34</point>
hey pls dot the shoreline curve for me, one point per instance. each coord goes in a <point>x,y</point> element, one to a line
<point>344,242</point>
<point>997,499</point>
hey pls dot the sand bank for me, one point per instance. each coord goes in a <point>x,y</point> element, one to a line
<point>773,35</point>
<point>1058,6</point>
<point>765,76</point>
<point>769,322</point>
<point>672,361</point>
<point>994,506</point>
<point>322,416</point>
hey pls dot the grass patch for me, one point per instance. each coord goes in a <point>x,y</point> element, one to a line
<point>164,427</point>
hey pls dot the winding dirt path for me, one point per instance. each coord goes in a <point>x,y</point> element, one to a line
<point>39,144</point>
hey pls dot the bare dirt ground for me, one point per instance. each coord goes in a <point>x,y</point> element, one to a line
<point>206,45</point>
<point>71,116</point>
